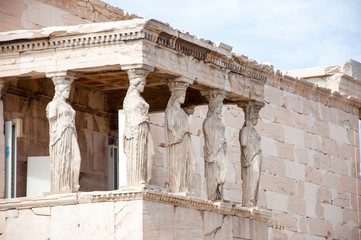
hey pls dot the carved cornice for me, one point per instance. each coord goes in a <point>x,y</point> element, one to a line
<point>117,32</point>
<point>70,42</point>
<point>248,68</point>
<point>131,194</point>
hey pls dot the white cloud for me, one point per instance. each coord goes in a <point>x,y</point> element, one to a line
<point>289,34</point>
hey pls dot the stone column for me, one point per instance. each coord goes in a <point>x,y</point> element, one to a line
<point>180,154</point>
<point>3,88</point>
<point>137,140</point>
<point>63,146</point>
<point>215,146</point>
<point>250,153</point>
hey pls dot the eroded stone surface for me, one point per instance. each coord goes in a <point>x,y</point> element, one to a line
<point>2,222</point>
<point>79,221</point>
<point>128,220</point>
<point>27,225</point>
<point>158,221</point>
<point>188,224</point>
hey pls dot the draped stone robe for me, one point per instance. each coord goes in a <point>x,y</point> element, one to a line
<point>63,147</point>
<point>251,163</point>
<point>181,160</point>
<point>214,156</point>
<point>138,143</point>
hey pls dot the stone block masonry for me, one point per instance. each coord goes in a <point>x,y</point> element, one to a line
<point>18,14</point>
<point>307,169</point>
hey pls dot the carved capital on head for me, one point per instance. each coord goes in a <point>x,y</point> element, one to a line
<point>215,100</point>
<point>126,67</point>
<point>137,72</point>
<point>215,95</point>
<point>62,77</point>
<point>175,85</point>
<point>251,110</point>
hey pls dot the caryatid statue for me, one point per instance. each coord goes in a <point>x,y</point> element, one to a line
<point>63,147</point>
<point>250,153</point>
<point>215,146</point>
<point>138,143</point>
<point>181,159</point>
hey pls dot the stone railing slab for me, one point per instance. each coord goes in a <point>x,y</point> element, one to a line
<point>136,193</point>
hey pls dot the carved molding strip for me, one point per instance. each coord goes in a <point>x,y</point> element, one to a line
<point>71,41</point>
<point>136,194</point>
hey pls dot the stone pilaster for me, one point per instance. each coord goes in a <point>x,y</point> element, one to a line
<point>251,153</point>
<point>3,88</point>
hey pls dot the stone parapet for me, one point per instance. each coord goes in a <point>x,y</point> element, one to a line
<point>136,193</point>
<point>149,213</point>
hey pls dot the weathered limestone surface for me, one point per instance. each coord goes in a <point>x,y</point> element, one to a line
<point>26,225</point>
<point>345,79</point>
<point>352,68</point>
<point>305,173</point>
<point>128,214</point>
<point>83,221</point>
<point>17,14</point>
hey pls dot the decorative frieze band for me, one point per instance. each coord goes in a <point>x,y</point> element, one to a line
<point>139,193</point>
<point>71,41</point>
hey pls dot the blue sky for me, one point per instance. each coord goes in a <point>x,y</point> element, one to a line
<point>289,34</point>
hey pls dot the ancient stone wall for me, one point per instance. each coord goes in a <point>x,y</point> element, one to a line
<point>311,163</point>
<point>36,14</point>
<point>310,160</point>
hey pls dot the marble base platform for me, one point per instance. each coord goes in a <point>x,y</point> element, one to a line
<point>130,213</point>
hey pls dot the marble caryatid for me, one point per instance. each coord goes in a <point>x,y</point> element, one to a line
<point>138,143</point>
<point>250,153</point>
<point>181,159</point>
<point>215,146</point>
<point>63,147</point>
